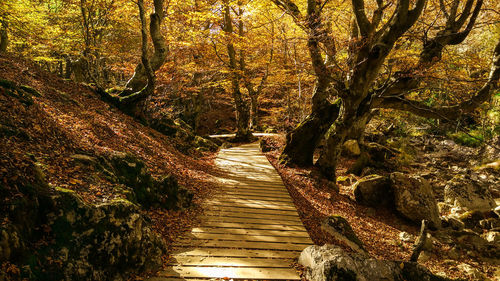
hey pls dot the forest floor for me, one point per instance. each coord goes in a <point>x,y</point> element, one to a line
<point>379,228</point>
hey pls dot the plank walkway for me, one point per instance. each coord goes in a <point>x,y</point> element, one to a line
<point>250,230</point>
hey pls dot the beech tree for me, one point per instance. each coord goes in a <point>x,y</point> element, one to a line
<point>246,112</point>
<point>360,89</point>
<point>139,80</point>
<point>142,83</point>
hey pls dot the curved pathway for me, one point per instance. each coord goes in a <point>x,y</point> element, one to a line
<point>250,230</point>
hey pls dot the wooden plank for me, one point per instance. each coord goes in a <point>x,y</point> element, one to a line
<point>248,238</point>
<point>262,197</point>
<point>253,204</point>
<point>280,190</point>
<point>250,209</point>
<point>252,221</point>
<point>242,192</point>
<point>258,185</point>
<point>232,261</point>
<point>240,225</point>
<point>177,278</point>
<point>250,212</point>
<point>232,213</point>
<point>245,199</point>
<point>221,252</point>
<point>242,203</point>
<point>232,273</point>
<point>244,231</point>
<point>239,244</point>
<point>252,192</point>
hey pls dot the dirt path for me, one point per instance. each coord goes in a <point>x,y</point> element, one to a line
<point>251,229</point>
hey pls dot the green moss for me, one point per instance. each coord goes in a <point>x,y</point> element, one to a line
<point>473,138</point>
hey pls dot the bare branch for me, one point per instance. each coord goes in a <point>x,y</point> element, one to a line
<point>460,36</point>
<point>443,9</point>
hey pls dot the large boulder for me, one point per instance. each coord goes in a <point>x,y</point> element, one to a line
<point>373,190</point>
<point>53,234</point>
<point>468,194</point>
<point>98,242</point>
<point>138,185</point>
<point>414,199</point>
<point>332,263</point>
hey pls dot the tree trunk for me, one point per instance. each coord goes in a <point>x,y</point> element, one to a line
<point>335,138</point>
<point>242,109</point>
<point>303,140</point>
<point>4,37</point>
<point>254,108</point>
<point>140,78</point>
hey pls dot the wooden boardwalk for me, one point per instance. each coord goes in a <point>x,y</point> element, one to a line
<point>250,230</point>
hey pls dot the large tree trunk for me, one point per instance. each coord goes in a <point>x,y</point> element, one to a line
<point>4,36</point>
<point>243,132</point>
<point>140,78</point>
<point>303,140</point>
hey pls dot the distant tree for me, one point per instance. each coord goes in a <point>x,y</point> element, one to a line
<point>240,74</point>
<point>363,87</point>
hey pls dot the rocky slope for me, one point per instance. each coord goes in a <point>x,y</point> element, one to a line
<point>86,192</point>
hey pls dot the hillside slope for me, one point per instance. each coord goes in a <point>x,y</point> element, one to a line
<point>60,140</point>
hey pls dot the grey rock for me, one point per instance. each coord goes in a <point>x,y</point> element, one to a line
<point>330,263</point>
<point>468,194</point>
<point>373,190</point>
<point>341,230</point>
<point>414,199</point>
<point>405,236</point>
<point>492,237</point>
<point>471,272</point>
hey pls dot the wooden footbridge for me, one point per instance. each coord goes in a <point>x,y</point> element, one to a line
<point>250,231</point>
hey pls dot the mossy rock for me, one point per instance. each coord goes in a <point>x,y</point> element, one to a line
<point>30,90</point>
<point>146,190</point>
<point>23,93</point>
<point>374,190</point>
<point>340,228</point>
<point>100,242</point>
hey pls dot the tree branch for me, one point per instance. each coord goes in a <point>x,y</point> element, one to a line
<point>364,25</point>
<point>445,112</point>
